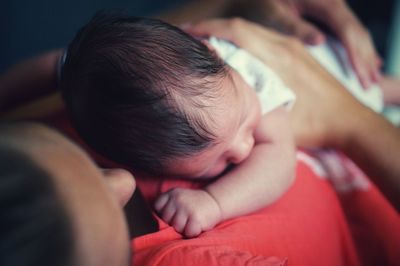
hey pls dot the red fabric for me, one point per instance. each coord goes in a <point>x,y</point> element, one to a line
<point>306,227</point>
<point>310,225</point>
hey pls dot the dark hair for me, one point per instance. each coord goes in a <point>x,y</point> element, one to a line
<point>34,226</point>
<point>136,89</point>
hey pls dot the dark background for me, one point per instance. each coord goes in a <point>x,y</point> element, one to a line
<point>377,16</point>
<point>29,27</point>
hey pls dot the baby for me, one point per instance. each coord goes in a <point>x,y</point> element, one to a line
<point>150,96</point>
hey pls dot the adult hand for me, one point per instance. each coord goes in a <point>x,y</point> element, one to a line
<point>189,211</point>
<point>315,117</point>
<point>287,16</point>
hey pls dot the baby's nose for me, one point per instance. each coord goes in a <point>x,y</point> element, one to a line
<point>241,151</point>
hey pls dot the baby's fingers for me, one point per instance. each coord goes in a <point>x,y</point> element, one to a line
<point>192,229</point>
<point>161,201</point>
<point>165,207</point>
<point>179,221</point>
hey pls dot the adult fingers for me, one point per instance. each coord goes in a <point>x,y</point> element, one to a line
<point>377,74</point>
<point>294,25</point>
<point>286,17</point>
<point>357,42</point>
<point>307,32</point>
<point>363,56</point>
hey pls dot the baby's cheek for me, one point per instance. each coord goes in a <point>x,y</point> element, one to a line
<point>257,116</point>
<point>216,170</point>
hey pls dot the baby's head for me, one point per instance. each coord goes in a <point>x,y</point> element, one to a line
<point>148,95</point>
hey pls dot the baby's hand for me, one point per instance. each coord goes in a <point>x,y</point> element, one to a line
<point>189,211</point>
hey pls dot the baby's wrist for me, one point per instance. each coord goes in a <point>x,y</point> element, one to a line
<point>216,202</point>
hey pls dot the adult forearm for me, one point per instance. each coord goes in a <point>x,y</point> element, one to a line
<point>29,80</point>
<point>374,144</point>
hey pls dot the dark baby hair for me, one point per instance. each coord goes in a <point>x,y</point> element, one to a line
<point>135,89</point>
<point>34,226</point>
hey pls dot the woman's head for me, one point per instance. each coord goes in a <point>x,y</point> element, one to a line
<point>59,207</point>
<point>139,90</point>
<point>35,226</point>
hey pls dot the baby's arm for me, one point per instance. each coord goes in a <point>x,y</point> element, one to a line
<point>265,175</point>
<point>258,181</point>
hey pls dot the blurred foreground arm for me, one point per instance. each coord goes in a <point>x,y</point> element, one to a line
<point>29,80</point>
<point>325,114</point>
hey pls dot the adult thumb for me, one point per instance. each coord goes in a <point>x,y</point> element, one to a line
<point>305,31</point>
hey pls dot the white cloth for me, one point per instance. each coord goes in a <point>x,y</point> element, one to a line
<point>269,87</point>
<point>335,59</point>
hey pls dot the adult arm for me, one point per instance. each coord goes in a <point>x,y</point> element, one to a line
<point>325,114</point>
<point>29,80</point>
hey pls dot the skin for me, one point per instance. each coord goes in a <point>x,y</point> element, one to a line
<point>260,146</point>
<point>289,17</point>
<point>391,90</point>
<point>92,197</point>
<point>234,127</point>
<point>325,114</point>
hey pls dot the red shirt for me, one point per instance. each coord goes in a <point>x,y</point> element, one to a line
<point>309,225</point>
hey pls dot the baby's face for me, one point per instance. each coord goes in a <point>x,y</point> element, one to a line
<point>235,119</point>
